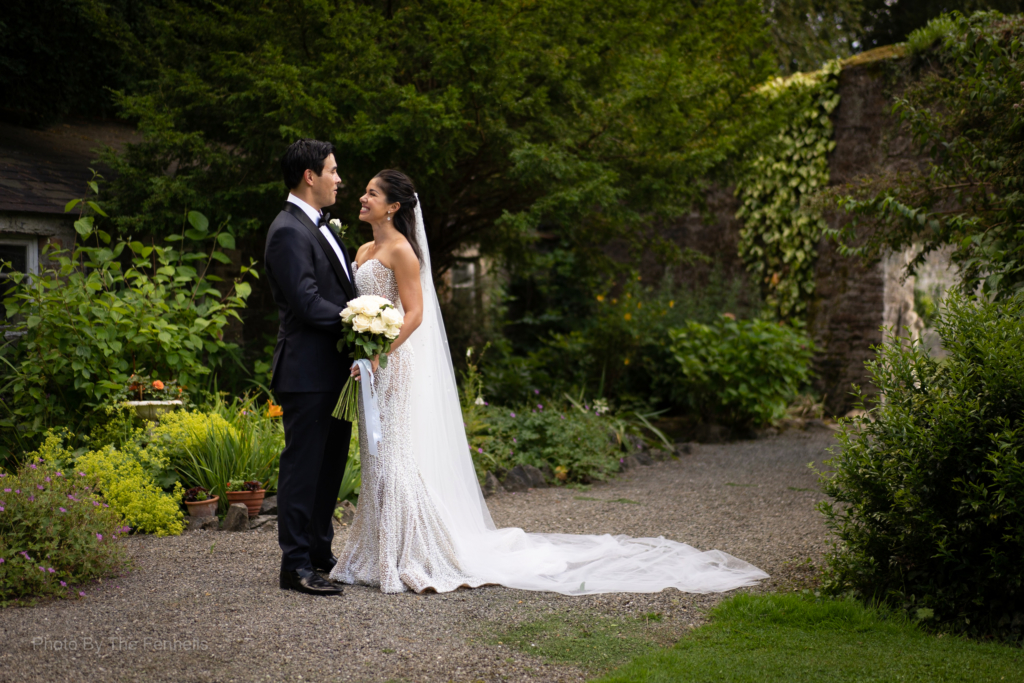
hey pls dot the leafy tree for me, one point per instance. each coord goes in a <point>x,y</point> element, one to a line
<point>585,118</point>
<point>59,57</point>
<point>964,113</point>
<point>886,22</point>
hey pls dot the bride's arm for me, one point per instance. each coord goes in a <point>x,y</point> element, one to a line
<point>407,272</point>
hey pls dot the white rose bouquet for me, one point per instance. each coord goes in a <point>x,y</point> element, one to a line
<point>373,323</point>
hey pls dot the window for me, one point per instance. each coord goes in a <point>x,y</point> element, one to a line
<point>20,254</point>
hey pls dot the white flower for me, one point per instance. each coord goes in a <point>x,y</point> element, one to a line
<point>479,400</point>
<point>336,224</point>
<point>392,331</point>
<point>368,305</point>
<point>361,323</point>
<point>392,317</point>
<point>347,314</point>
<point>377,326</point>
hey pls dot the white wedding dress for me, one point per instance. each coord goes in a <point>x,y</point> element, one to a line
<point>422,523</point>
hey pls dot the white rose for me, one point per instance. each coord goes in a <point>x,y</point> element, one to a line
<point>377,326</point>
<point>392,331</point>
<point>361,323</point>
<point>347,314</point>
<point>391,316</point>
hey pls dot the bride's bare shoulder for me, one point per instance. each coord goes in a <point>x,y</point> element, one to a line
<point>362,251</point>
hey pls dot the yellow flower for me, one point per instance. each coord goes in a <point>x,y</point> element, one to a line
<point>626,362</point>
<point>671,304</point>
<point>273,410</point>
<point>600,297</point>
<point>628,316</point>
<point>615,301</point>
<point>639,304</point>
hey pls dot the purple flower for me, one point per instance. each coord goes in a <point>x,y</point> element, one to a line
<point>2,560</point>
<point>39,486</point>
<point>33,466</point>
<point>62,509</point>
<point>81,593</point>
<point>540,407</point>
<point>42,569</point>
<point>52,570</point>
<point>63,584</point>
<point>47,479</point>
<point>99,537</point>
<point>17,490</point>
<point>81,474</point>
<point>60,474</point>
<point>512,414</point>
<point>514,440</point>
<point>2,475</point>
<point>486,403</point>
<point>563,417</point>
<point>7,490</point>
<point>95,503</point>
<point>126,529</point>
<point>31,499</point>
<point>479,450</point>
<point>536,391</point>
<point>106,505</point>
<point>2,508</point>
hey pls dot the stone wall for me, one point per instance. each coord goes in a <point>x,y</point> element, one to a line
<point>852,300</point>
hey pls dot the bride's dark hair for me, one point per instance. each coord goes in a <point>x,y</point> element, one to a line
<point>398,187</point>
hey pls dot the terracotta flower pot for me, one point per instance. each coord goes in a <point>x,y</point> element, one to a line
<point>252,499</point>
<point>203,508</point>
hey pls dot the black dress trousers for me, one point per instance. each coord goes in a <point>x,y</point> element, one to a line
<point>312,467</point>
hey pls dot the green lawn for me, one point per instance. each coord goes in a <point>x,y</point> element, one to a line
<point>794,639</point>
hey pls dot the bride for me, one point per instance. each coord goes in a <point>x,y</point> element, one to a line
<point>422,523</point>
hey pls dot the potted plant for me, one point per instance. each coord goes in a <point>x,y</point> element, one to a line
<point>200,503</point>
<point>250,492</point>
<point>153,398</point>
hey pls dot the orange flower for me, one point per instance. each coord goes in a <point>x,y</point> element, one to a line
<point>274,411</point>
<point>158,385</point>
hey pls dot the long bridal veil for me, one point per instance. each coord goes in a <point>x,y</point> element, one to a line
<point>563,563</point>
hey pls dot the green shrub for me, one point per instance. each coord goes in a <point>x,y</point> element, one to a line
<point>740,372</point>
<point>570,444</point>
<point>89,324</point>
<point>124,478</point>
<point>55,532</point>
<point>929,489</point>
<point>617,347</point>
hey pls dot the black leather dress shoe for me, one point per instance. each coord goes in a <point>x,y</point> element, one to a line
<point>308,581</point>
<point>324,564</point>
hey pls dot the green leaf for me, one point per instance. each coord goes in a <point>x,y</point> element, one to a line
<point>220,256</point>
<point>199,222</point>
<point>70,205</point>
<point>243,289</point>
<point>33,320</point>
<point>96,207</point>
<point>83,226</point>
<point>226,240</point>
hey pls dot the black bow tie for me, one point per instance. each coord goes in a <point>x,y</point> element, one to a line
<point>324,220</point>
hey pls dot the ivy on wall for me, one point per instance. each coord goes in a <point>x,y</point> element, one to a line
<point>780,230</point>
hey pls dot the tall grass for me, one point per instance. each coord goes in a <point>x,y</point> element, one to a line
<point>250,450</point>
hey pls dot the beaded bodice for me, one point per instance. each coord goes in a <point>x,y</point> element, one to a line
<point>373,277</point>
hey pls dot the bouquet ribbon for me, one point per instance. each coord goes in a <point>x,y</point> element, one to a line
<point>371,412</point>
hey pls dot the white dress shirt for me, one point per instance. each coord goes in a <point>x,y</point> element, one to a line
<point>314,216</point>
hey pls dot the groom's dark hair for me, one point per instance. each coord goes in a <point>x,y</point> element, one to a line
<point>303,154</point>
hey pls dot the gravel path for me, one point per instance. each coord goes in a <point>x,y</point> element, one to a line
<point>205,606</point>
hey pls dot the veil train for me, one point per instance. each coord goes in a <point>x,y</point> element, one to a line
<point>562,563</point>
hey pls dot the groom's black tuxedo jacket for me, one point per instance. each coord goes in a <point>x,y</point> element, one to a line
<point>310,288</point>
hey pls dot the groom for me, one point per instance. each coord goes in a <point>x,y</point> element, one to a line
<point>310,279</point>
